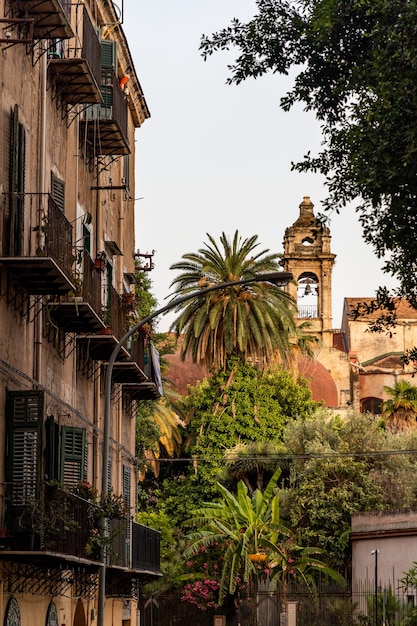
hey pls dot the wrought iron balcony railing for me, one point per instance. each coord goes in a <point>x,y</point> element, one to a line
<point>52,18</point>
<point>46,269</point>
<point>107,129</point>
<point>77,70</point>
<point>50,518</point>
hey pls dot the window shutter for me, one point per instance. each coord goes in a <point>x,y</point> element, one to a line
<point>109,475</point>
<point>24,413</point>
<point>17,183</point>
<point>58,192</point>
<point>52,449</point>
<point>126,171</point>
<point>108,54</point>
<point>127,483</point>
<point>73,455</point>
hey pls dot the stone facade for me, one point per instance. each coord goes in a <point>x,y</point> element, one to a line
<point>70,105</point>
<point>354,361</point>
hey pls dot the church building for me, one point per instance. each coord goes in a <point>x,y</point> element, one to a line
<point>351,364</point>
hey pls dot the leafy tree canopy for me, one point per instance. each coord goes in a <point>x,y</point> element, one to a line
<point>341,467</point>
<point>242,404</point>
<point>355,63</point>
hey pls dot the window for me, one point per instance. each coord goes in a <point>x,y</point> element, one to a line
<point>126,172</point>
<point>52,615</point>
<point>12,614</point>
<point>65,458</point>
<point>14,216</point>
<point>127,484</point>
<point>58,192</point>
<point>86,238</point>
<point>73,455</point>
<point>24,411</point>
<point>371,405</point>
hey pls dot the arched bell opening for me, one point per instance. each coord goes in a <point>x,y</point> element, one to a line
<point>307,295</point>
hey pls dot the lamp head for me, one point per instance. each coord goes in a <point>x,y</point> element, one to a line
<point>280,279</point>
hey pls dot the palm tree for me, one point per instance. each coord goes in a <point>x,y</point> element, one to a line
<point>401,408</point>
<point>255,320</point>
<point>250,462</point>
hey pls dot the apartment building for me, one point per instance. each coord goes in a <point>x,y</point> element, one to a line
<point>70,105</point>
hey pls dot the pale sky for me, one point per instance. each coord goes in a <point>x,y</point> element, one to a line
<point>216,158</point>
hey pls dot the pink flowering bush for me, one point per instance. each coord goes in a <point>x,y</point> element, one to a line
<point>203,580</point>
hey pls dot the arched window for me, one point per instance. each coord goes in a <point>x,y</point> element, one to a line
<point>371,405</point>
<point>52,615</point>
<point>307,295</point>
<point>12,614</point>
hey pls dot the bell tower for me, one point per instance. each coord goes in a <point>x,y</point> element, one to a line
<point>308,257</point>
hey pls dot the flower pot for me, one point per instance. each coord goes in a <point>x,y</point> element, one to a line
<point>106,331</point>
<point>99,264</point>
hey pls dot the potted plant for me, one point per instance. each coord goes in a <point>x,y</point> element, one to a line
<point>100,262</point>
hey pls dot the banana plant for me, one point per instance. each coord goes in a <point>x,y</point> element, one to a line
<point>243,524</point>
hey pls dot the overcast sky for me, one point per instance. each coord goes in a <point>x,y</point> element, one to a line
<point>216,158</point>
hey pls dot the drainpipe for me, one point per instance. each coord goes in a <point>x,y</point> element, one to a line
<point>99,219</point>
<point>42,165</point>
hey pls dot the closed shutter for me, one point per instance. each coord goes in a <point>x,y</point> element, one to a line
<point>52,449</point>
<point>108,54</point>
<point>127,484</point>
<point>126,171</point>
<point>73,455</point>
<point>17,183</point>
<point>109,475</point>
<point>24,412</point>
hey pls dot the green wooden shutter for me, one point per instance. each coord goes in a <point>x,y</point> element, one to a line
<point>127,483</point>
<point>108,54</point>
<point>24,417</point>
<point>52,449</point>
<point>73,455</point>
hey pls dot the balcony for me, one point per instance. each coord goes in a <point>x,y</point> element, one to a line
<point>307,311</point>
<point>81,312</point>
<point>77,71</point>
<point>142,544</point>
<point>52,18</point>
<point>49,270</point>
<point>100,346</point>
<point>151,387</point>
<point>105,125</point>
<point>145,549</point>
<point>50,522</point>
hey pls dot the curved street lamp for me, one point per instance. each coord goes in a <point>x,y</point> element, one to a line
<point>280,279</point>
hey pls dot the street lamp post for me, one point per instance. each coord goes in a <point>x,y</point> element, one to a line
<point>280,279</point>
<point>375,553</point>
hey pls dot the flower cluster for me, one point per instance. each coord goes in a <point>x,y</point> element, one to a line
<point>204,578</point>
<point>203,593</point>
<point>86,491</point>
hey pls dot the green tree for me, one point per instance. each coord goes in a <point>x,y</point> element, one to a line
<point>340,467</point>
<point>354,64</point>
<point>255,320</point>
<point>241,404</point>
<point>400,409</point>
